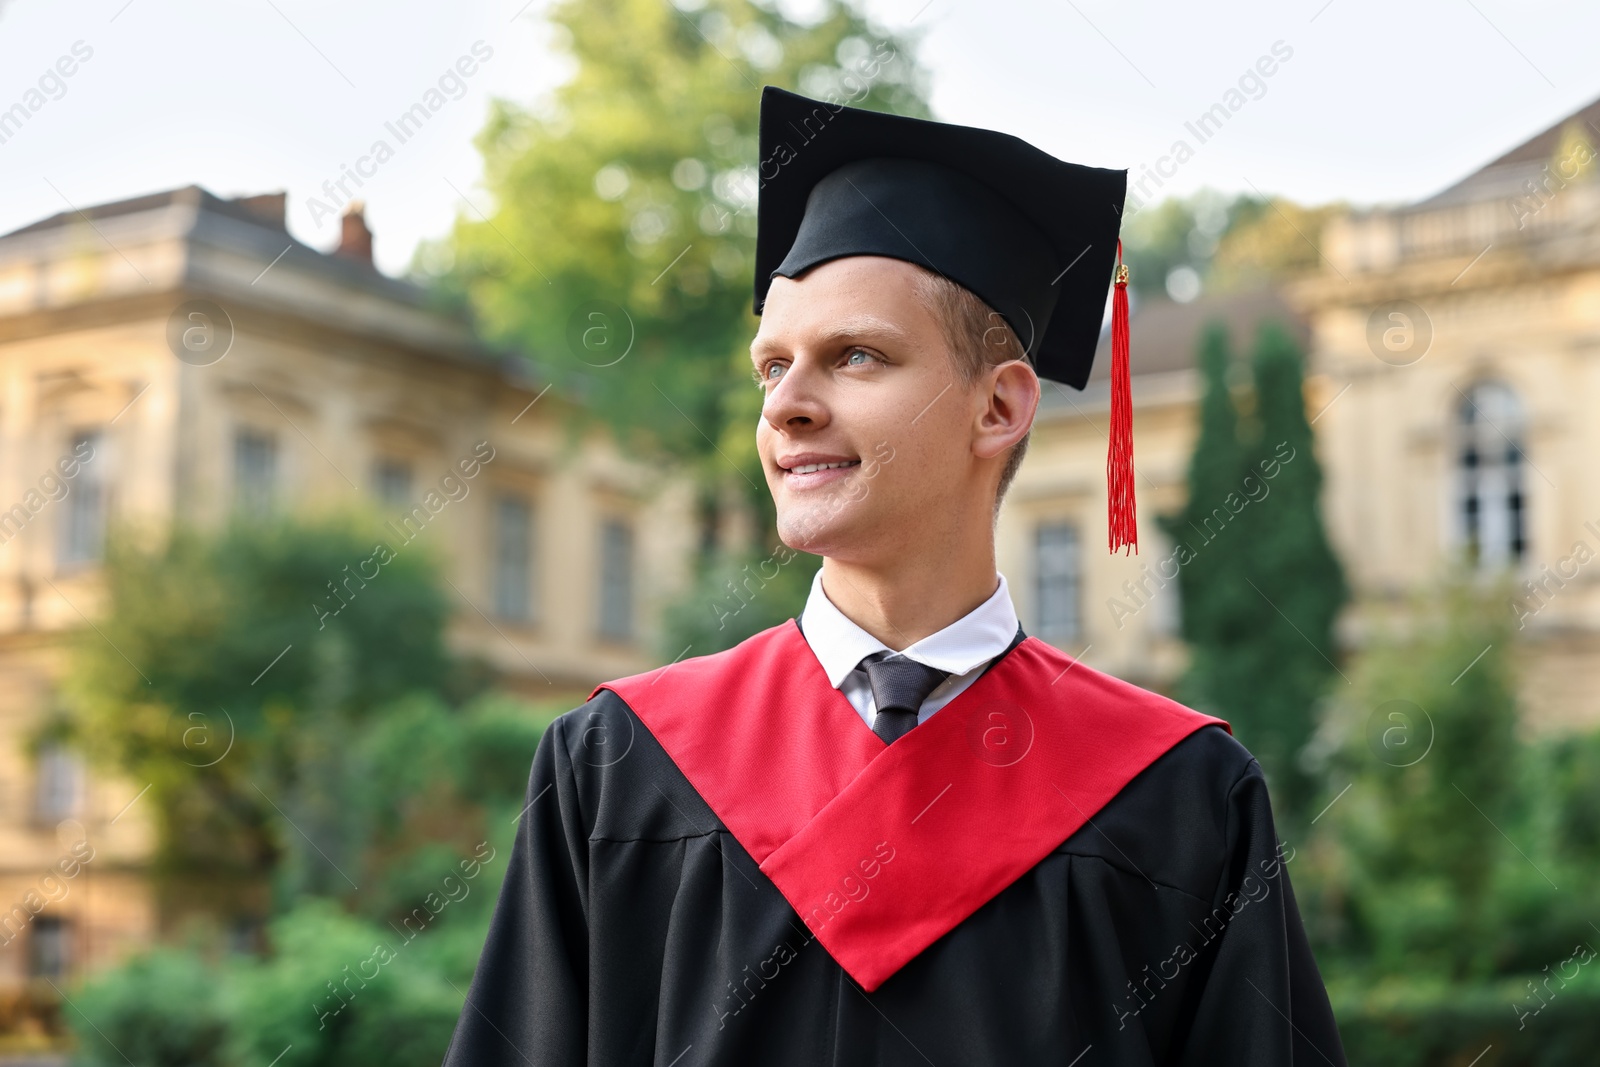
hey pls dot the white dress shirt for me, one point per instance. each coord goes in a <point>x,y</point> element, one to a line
<point>964,648</point>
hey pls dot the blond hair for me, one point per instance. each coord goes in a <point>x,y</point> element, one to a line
<point>978,338</point>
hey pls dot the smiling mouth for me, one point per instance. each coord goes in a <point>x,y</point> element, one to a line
<point>810,468</point>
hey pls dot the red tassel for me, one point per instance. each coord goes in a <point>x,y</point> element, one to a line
<point>1121,519</point>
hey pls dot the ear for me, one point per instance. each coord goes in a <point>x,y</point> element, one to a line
<point>1009,398</point>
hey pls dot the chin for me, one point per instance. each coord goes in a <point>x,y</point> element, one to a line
<point>814,531</point>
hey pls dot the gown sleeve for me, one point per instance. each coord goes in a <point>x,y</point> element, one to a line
<point>528,1001</point>
<point>1262,1003</point>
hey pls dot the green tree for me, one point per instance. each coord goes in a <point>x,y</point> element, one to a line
<point>337,989</point>
<point>1296,584</point>
<point>164,1007</point>
<point>379,981</point>
<point>1432,757</point>
<point>349,993</point>
<point>734,596</point>
<point>1267,241</point>
<point>419,817</point>
<point>1215,613</point>
<point>1230,243</point>
<point>1259,582</point>
<point>620,248</point>
<point>231,672</point>
<point>350,755</point>
<point>1158,240</point>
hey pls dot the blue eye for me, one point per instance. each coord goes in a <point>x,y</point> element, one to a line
<point>851,358</point>
<point>774,370</point>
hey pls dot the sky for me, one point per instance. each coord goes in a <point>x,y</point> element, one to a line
<point>1366,102</point>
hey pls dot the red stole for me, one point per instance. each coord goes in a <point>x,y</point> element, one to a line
<point>883,849</point>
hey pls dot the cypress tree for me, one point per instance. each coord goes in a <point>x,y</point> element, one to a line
<point>1210,607</point>
<point>1260,585</point>
<point>1291,574</point>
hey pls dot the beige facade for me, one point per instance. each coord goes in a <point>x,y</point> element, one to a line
<point>1453,377</point>
<point>339,384</point>
<point>1464,334</point>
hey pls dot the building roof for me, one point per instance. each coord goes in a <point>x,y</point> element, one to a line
<point>267,209</point>
<point>1505,174</point>
<point>263,213</point>
<point>228,242</point>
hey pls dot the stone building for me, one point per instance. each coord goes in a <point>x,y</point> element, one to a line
<point>180,357</point>
<point>1461,336</point>
<point>1453,372</point>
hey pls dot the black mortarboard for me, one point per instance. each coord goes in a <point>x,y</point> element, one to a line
<point>1034,237</point>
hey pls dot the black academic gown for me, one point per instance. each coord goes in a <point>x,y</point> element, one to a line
<point>634,928</point>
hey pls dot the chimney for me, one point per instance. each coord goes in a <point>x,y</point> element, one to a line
<point>355,240</point>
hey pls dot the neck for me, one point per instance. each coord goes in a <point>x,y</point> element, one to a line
<point>905,599</point>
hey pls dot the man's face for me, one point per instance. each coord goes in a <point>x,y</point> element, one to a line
<point>858,376</point>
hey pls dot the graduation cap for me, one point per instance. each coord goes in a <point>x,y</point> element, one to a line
<point>1032,236</point>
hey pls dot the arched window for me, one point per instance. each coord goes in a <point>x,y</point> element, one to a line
<point>1491,507</point>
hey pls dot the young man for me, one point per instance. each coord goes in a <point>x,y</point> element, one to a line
<point>896,830</point>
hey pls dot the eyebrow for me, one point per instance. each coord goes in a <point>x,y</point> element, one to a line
<point>859,327</point>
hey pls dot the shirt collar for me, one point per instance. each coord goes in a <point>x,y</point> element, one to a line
<point>974,639</point>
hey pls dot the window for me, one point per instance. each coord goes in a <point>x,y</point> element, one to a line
<point>1491,510</point>
<point>255,471</point>
<point>616,580</point>
<point>83,524</point>
<point>1055,570</point>
<point>391,482</point>
<point>1165,605</point>
<point>245,935</point>
<point>59,784</point>
<point>48,947</point>
<point>513,558</point>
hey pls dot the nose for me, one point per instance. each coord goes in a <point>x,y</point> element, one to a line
<point>795,401</point>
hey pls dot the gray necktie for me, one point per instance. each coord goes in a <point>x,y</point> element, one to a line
<point>899,686</point>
